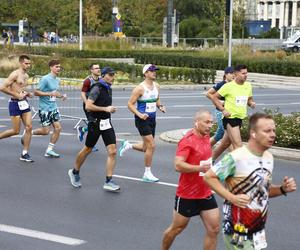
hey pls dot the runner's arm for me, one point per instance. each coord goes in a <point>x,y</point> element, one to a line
<point>210,93</point>
<point>83,96</point>
<point>288,185</point>
<point>240,200</point>
<point>90,106</point>
<point>136,93</point>
<point>5,86</point>
<point>161,107</point>
<point>182,166</point>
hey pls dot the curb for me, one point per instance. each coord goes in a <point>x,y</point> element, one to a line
<point>174,136</point>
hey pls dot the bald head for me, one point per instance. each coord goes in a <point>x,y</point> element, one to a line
<point>203,122</point>
<point>200,114</point>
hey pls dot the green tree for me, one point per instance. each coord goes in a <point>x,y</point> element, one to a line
<point>140,17</point>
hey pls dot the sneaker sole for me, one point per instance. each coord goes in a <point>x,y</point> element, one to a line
<point>112,190</point>
<point>77,186</point>
<point>51,156</point>
<point>150,181</point>
<point>21,159</point>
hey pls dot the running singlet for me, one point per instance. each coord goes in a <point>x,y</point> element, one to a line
<point>147,102</point>
<point>194,149</point>
<point>246,173</point>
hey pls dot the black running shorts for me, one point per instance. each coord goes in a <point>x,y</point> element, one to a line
<point>94,132</point>
<point>233,122</point>
<point>145,127</point>
<point>192,207</point>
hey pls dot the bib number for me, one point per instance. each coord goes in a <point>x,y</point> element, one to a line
<point>259,240</point>
<point>150,107</point>
<point>104,124</point>
<point>23,105</point>
<point>241,101</point>
<point>52,98</point>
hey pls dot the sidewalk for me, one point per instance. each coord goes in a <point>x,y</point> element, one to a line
<point>282,153</point>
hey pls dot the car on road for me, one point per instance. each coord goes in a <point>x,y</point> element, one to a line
<point>292,43</point>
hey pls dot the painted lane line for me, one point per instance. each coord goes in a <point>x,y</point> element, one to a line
<point>141,180</point>
<point>41,235</point>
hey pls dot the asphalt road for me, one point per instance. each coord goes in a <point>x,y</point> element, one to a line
<point>39,196</point>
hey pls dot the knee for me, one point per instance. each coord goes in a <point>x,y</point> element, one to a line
<point>16,131</point>
<point>57,129</point>
<point>173,231</point>
<point>213,230</point>
<point>112,153</point>
<point>28,128</point>
<point>151,146</point>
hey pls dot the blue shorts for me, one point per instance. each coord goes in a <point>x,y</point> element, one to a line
<point>16,108</point>
<point>49,117</point>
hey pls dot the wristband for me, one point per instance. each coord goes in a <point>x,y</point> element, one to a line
<point>282,191</point>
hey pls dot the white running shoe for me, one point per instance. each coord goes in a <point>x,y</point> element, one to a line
<point>124,147</point>
<point>149,177</point>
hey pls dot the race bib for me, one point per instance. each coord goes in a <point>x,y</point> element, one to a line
<point>52,98</point>
<point>150,107</point>
<point>104,124</point>
<point>23,105</point>
<point>259,240</point>
<point>241,100</point>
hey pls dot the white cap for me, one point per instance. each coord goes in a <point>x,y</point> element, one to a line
<point>149,67</point>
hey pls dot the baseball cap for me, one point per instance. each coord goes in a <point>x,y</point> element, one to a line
<point>149,67</point>
<point>228,70</point>
<point>107,70</point>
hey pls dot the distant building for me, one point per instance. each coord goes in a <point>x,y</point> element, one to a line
<point>283,14</point>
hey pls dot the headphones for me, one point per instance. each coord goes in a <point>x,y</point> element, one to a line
<point>196,124</point>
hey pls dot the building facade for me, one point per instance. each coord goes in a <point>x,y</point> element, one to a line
<point>283,14</point>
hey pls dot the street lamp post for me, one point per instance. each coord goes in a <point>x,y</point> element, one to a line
<point>80,24</point>
<point>230,33</point>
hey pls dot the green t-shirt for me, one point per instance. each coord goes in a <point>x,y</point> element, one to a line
<point>236,98</point>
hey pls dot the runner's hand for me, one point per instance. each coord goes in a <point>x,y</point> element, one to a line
<point>21,96</point>
<point>289,184</point>
<point>226,113</point>
<point>144,116</point>
<point>252,105</point>
<point>162,108</point>
<point>111,109</point>
<point>240,200</point>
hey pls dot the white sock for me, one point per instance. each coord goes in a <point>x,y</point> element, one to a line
<point>50,146</point>
<point>147,170</point>
<point>24,152</point>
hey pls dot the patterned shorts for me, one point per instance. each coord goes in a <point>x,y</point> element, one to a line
<point>49,117</point>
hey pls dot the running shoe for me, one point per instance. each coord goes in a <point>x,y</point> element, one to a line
<point>74,179</point>
<point>95,149</point>
<point>149,177</point>
<point>52,154</point>
<point>80,133</point>
<point>125,145</point>
<point>26,157</point>
<point>111,186</point>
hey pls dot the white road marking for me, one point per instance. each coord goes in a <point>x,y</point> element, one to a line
<point>41,235</point>
<point>139,179</point>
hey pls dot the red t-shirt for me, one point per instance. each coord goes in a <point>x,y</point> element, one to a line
<point>86,85</point>
<point>194,149</point>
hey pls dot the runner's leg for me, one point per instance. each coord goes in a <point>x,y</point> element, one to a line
<point>15,130</point>
<point>27,121</point>
<point>179,223</point>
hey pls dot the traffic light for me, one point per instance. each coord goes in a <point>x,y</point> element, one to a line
<point>178,15</point>
<point>227,7</point>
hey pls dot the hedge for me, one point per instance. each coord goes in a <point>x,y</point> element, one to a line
<point>175,58</point>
